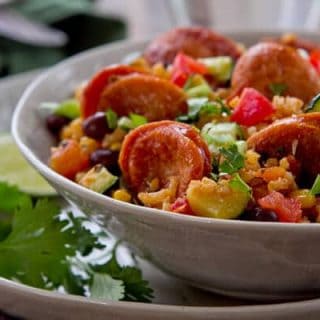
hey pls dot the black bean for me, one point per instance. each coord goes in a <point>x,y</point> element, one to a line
<point>260,214</point>
<point>96,126</point>
<point>107,158</point>
<point>55,123</point>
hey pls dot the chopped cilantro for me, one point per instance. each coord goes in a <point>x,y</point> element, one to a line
<point>112,119</point>
<point>198,107</point>
<point>233,160</point>
<point>68,108</point>
<point>224,108</point>
<point>137,120</point>
<point>133,121</point>
<point>316,186</point>
<point>277,89</point>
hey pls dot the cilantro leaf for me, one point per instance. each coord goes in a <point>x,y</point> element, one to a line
<point>316,186</point>
<point>233,159</point>
<point>105,287</point>
<point>11,198</point>
<point>68,108</point>
<point>136,288</point>
<point>112,119</point>
<point>277,89</point>
<point>133,121</point>
<point>87,241</point>
<point>137,120</point>
<point>198,107</point>
<point>224,108</point>
<point>43,246</point>
<point>36,250</point>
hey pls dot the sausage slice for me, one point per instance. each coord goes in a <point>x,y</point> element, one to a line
<point>299,136</point>
<point>152,97</point>
<point>94,88</point>
<point>272,63</point>
<point>163,150</point>
<point>196,42</point>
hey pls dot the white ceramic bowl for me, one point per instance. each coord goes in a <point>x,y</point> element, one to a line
<point>245,259</point>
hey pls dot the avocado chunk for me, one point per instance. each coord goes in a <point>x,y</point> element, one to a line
<point>98,179</point>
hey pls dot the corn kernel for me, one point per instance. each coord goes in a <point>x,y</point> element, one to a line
<point>88,145</point>
<point>115,146</point>
<point>122,195</point>
<point>159,70</point>
<point>252,160</point>
<point>271,162</point>
<point>306,199</point>
<point>284,163</point>
<point>116,136</point>
<point>234,102</point>
<point>140,63</point>
<point>273,173</point>
<point>73,130</point>
<point>154,185</point>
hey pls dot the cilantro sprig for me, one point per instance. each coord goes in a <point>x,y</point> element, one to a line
<point>232,161</point>
<point>277,89</point>
<point>203,106</point>
<point>315,189</point>
<point>45,247</point>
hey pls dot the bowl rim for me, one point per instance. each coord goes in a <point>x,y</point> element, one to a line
<point>276,307</point>
<point>141,211</point>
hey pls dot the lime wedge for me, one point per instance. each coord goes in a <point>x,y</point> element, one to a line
<point>15,170</point>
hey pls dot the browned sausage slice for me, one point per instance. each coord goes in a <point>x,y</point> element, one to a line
<point>163,150</point>
<point>270,63</point>
<point>196,42</point>
<point>298,135</point>
<point>152,97</point>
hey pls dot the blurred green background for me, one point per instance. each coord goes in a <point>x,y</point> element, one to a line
<point>84,27</point>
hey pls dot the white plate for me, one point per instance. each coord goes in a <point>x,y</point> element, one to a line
<point>173,299</point>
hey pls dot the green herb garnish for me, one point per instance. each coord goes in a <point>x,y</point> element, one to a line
<point>41,246</point>
<point>277,89</point>
<point>68,108</point>
<point>133,121</point>
<point>112,119</point>
<point>137,120</point>
<point>316,186</point>
<point>233,160</point>
<point>198,107</point>
<point>314,105</point>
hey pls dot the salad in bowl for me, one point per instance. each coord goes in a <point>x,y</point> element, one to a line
<point>200,125</point>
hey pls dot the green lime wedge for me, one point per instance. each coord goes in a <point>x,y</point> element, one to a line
<point>15,170</point>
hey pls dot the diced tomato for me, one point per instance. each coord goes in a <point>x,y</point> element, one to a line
<point>181,205</point>
<point>287,209</point>
<point>95,87</point>
<point>69,159</point>
<point>253,108</point>
<point>184,66</point>
<point>314,59</point>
